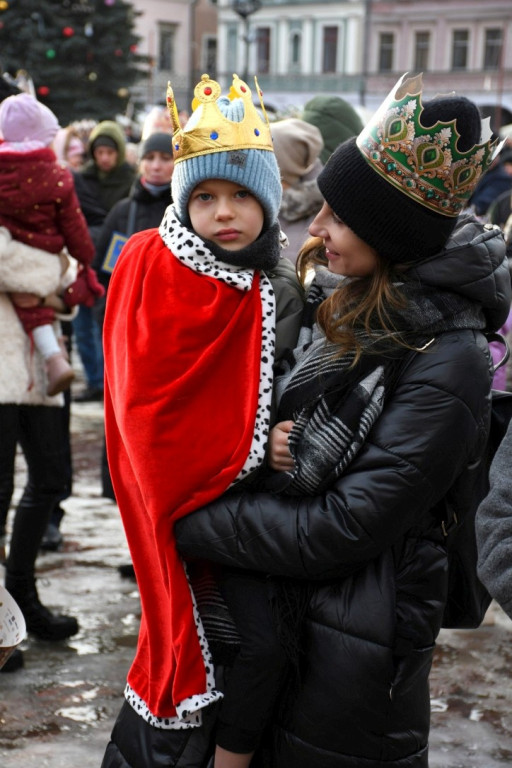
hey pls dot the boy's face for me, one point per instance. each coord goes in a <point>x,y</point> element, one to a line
<point>225,213</point>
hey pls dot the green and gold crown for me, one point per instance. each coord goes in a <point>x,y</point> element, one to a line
<point>423,162</point>
<point>208,130</point>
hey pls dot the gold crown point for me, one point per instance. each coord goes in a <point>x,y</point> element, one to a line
<point>172,108</point>
<point>207,90</point>
<point>209,130</point>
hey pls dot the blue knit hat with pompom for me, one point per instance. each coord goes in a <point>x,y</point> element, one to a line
<point>255,169</point>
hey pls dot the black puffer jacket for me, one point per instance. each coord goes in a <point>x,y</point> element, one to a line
<point>371,543</point>
<point>373,549</point>
<point>149,212</point>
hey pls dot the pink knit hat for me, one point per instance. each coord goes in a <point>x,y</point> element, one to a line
<point>75,147</point>
<point>23,118</point>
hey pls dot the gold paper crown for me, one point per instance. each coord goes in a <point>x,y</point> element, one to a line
<point>424,163</point>
<point>208,130</point>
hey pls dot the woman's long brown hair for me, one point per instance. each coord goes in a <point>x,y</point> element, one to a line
<point>364,304</point>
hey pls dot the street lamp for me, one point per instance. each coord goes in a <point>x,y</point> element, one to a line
<point>245,8</point>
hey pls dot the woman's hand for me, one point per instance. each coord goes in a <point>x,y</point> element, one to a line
<point>279,456</point>
<point>25,300</point>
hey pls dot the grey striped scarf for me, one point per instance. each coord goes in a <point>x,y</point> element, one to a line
<point>334,406</point>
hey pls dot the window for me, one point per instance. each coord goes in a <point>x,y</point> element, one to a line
<point>460,48</point>
<point>386,46</point>
<point>295,50</point>
<point>421,51</point>
<point>492,50</point>
<point>166,47</point>
<point>263,50</point>
<point>330,49</point>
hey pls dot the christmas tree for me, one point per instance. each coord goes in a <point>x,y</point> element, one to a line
<point>81,55</point>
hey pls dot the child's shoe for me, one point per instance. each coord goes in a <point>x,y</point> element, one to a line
<point>60,374</point>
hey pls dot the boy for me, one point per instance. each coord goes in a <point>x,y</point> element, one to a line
<point>193,315</point>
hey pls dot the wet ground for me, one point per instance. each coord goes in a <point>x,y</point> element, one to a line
<point>58,711</point>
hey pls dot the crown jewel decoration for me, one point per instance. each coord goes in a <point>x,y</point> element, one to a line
<point>423,163</point>
<point>208,130</point>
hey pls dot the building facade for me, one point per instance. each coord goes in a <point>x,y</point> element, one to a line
<point>359,48</point>
<point>462,45</point>
<point>355,48</point>
<point>180,39</point>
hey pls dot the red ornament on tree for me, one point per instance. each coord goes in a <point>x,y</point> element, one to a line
<point>43,90</point>
<point>68,31</point>
<point>118,52</point>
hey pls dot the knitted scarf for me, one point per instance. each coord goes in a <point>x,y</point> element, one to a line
<point>334,405</point>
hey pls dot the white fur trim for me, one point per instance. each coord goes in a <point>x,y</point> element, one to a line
<point>27,269</point>
<point>22,372</point>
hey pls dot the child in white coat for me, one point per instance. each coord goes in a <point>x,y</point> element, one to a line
<point>39,206</point>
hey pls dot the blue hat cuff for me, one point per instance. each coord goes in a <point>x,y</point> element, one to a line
<point>254,169</point>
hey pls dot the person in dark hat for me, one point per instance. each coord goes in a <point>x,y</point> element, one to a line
<point>105,179</point>
<point>142,209</point>
<point>144,206</point>
<point>383,404</point>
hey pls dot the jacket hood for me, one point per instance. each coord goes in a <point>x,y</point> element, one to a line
<point>114,131</point>
<point>301,201</point>
<point>336,119</point>
<point>473,263</point>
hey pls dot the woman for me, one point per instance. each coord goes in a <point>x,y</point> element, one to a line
<point>384,403</point>
<point>32,419</point>
<point>145,205</point>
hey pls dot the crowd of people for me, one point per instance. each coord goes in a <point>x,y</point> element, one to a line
<point>57,185</point>
<point>279,318</point>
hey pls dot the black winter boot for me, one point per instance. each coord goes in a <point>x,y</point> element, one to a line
<point>39,620</point>
<point>14,662</point>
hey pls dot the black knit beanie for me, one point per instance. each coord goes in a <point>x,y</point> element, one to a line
<point>156,142</point>
<point>384,216</point>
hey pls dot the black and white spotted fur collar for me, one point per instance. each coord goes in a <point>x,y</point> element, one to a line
<point>207,259</point>
<point>188,248</point>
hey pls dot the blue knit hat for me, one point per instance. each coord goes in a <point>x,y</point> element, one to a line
<point>254,169</point>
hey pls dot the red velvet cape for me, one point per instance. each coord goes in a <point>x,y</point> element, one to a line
<point>182,365</point>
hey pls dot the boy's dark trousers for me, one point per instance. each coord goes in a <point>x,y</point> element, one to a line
<point>259,671</point>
